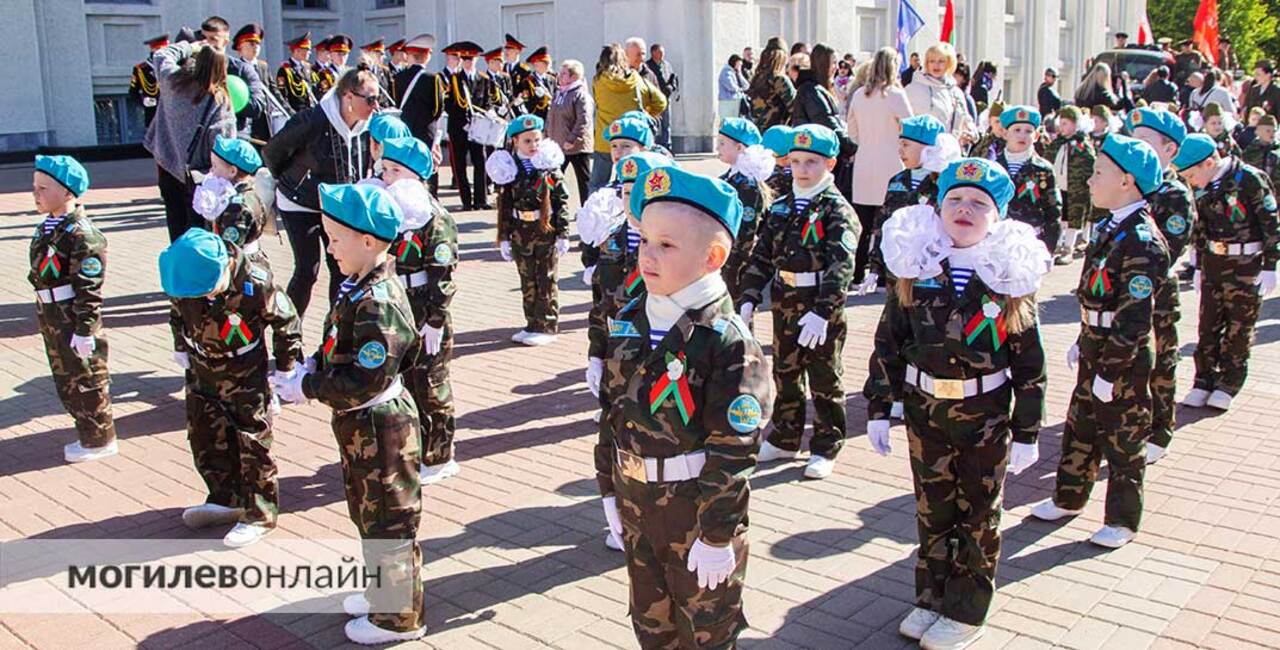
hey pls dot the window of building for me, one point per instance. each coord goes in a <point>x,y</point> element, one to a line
<point>388,4</point>
<point>308,4</point>
<point>118,119</point>
<point>117,2</point>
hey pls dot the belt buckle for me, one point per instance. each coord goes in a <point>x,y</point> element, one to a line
<point>1218,247</point>
<point>787,277</point>
<point>632,466</point>
<point>527,215</point>
<point>948,388</point>
<point>1084,316</point>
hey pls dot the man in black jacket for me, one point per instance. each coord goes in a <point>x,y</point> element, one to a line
<point>669,84</point>
<point>217,34</point>
<point>1047,97</point>
<point>467,92</point>
<point>1263,91</point>
<point>1161,89</point>
<point>420,96</point>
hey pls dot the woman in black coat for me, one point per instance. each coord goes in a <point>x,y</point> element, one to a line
<point>815,104</point>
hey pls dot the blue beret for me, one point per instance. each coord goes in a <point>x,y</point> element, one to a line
<point>741,130</point>
<point>633,166</point>
<point>924,129</point>
<point>1020,114</point>
<point>66,170</point>
<point>1163,122</point>
<point>1136,158</point>
<point>193,264</point>
<point>777,139</point>
<point>714,197</point>
<point>1195,149</point>
<point>384,126</point>
<point>367,209</point>
<point>815,139</point>
<point>986,175</point>
<point>410,152</point>
<point>523,123</point>
<point>237,153</point>
<point>630,128</point>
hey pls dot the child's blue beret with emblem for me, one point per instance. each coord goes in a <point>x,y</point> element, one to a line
<point>1163,122</point>
<point>740,130</point>
<point>366,209</point>
<point>777,139</point>
<point>631,167</point>
<point>523,123</point>
<point>981,173</point>
<point>383,127</point>
<point>193,264</point>
<point>814,138</point>
<point>238,153</point>
<point>714,197</point>
<point>630,127</point>
<point>1020,115</point>
<point>411,153</point>
<point>1195,149</point>
<point>1136,158</point>
<point>924,129</point>
<point>66,170</point>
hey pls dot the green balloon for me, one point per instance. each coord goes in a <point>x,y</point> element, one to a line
<point>239,92</point>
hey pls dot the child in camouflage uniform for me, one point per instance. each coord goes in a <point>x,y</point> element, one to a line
<point>777,139</point>
<point>68,257</point>
<point>1217,125</point>
<point>227,200</point>
<point>1072,155</point>
<point>993,141</point>
<point>959,335</point>
<point>750,165</point>
<point>1035,201</point>
<point>383,127</point>
<point>1263,152</point>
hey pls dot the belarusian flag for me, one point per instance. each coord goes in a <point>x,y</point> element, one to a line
<point>949,23</point>
<point>1144,30</point>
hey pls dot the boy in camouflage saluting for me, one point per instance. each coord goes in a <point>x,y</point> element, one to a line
<point>1035,201</point>
<point>1110,411</point>
<point>222,305</point>
<point>805,254</point>
<point>68,264</point>
<point>688,394</point>
<point>1235,246</point>
<point>226,198</point>
<point>369,339</point>
<point>1072,155</point>
<point>750,165</point>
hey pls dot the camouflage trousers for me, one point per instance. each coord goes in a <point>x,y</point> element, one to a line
<point>1075,207</point>
<point>538,290</point>
<point>1229,307</point>
<point>229,429</point>
<point>668,608</point>
<point>794,367</point>
<point>959,481</point>
<point>1164,383</point>
<point>380,456</point>
<point>83,385</point>
<point>428,382</point>
<point>1115,430</point>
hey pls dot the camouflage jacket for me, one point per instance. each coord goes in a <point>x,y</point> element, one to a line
<point>822,238</point>
<point>934,334</point>
<point>1238,208</point>
<point>369,336</point>
<point>1227,145</point>
<point>1173,209</point>
<point>431,250</point>
<point>237,318</point>
<point>899,195</point>
<point>775,107</point>
<point>531,194</point>
<point>780,181</point>
<point>1036,201</point>
<point>1265,157</point>
<point>618,278</point>
<point>752,207</point>
<point>989,146</point>
<point>1123,267</point>
<point>1080,157</point>
<point>75,254</point>
<point>720,401</point>
<point>243,220</point>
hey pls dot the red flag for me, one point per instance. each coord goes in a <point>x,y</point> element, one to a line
<point>1144,30</point>
<point>949,24</point>
<point>1205,35</point>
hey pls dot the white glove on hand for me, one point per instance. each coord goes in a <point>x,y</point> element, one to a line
<point>182,360</point>
<point>878,436</point>
<point>1073,356</point>
<point>431,338</point>
<point>713,564</point>
<point>595,372</point>
<point>562,246</point>
<point>1266,282</point>
<point>310,365</point>
<point>587,274</point>
<point>1102,389</point>
<point>1195,281</point>
<point>83,345</point>
<point>288,385</point>
<point>813,330</point>
<point>747,311</point>
<point>868,285</point>
<point>612,517</point>
<point>1022,456</point>
<point>504,249</point>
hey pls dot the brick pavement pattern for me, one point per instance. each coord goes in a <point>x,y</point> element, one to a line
<point>512,546</point>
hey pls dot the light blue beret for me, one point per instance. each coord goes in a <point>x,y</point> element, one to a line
<point>365,209</point>
<point>193,264</point>
<point>986,175</point>
<point>714,197</point>
<point>66,170</point>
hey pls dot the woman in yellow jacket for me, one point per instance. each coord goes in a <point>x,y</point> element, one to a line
<point>617,89</point>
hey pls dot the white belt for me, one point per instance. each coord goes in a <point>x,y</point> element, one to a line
<point>412,280</point>
<point>250,248</point>
<point>56,294</point>
<point>1226,248</point>
<point>1097,318</point>
<point>793,279</point>
<point>393,391</point>
<point>684,467</point>
<point>955,388</point>
<point>238,352</point>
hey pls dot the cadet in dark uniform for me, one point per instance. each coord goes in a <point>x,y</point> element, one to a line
<point>688,391</point>
<point>144,88</point>
<point>323,77</point>
<point>804,254</point>
<point>959,338</point>
<point>68,264</point>
<point>1072,154</point>
<point>467,92</point>
<point>493,61</point>
<point>750,165</point>
<point>227,200</point>
<point>375,52</point>
<point>1035,201</point>
<point>1110,411</point>
<point>420,96</point>
<point>293,77</point>
<point>537,85</point>
<point>511,49</point>
<point>222,305</point>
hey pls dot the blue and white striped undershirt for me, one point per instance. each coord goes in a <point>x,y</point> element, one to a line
<point>917,177</point>
<point>655,338</point>
<point>50,224</point>
<point>960,277</point>
<point>347,286</point>
<point>633,239</point>
<point>526,163</point>
<point>800,204</point>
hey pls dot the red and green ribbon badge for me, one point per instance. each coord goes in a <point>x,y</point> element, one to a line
<point>330,342</point>
<point>633,281</point>
<point>235,328</point>
<point>1237,208</point>
<point>51,263</point>
<point>545,180</point>
<point>405,244</point>
<point>987,319</point>
<point>812,231</point>
<point>1031,189</point>
<point>1100,280</point>
<point>673,384</point>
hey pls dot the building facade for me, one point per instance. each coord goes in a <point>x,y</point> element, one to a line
<point>55,99</point>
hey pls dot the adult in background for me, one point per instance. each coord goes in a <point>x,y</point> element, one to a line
<point>617,89</point>
<point>1263,92</point>
<point>1096,90</point>
<point>984,79</point>
<point>816,104</point>
<point>217,35</point>
<point>934,92</point>
<point>748,61</point>
<point>634,49</point>
<point>1227,55</point>
<point>913,66</point>
<point>192,111</point>
<point>1211,92</point>
<point>1047,98</point>
<point>570,122</point>
<point>874,114</point>
<point>327,143</point>
<point>963,77</point>
<point>771,91</point>
<point>1159,89</point>
<point>420,96</point>
<point>669,84</point>
<point>732,88</point>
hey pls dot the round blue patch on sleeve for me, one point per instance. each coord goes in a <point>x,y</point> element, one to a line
<point>442,254</point>
<point>1269,202</point>
<point>231,234</point>
<point>1140,287</point>
<point>371,355</point>
<point>744,414</point>
<point>91,267</point>
<point>1176,225</point>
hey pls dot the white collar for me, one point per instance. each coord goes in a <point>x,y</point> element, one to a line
<point>1223,165</point>
<point>1018,157</point>
<point>919,173</point>
<point>1121,213</point>
<point>964,258</point>
<point>664,311</point>
<point>819,188</point>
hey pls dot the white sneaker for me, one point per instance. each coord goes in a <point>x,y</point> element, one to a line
<point>360,630</point>
<point>1155,452</point>
<point>535,339</point>
<point>520,336</point>
<point>1047,510</point>
<point>432,474</point>
<point>1112,536</point>
<point>948,634</point>
<point>769,453</point>
<point>210,514</point>
<point>75,453</point>
<point>918,622</point>
<point>895,411</point>
<point>356,605</point>
<point>612,542</point>
<point>245,534</point>
<point>819,467</point>
<point>1196,398</point>
<point>595,417</point>
<point>1219,400</point>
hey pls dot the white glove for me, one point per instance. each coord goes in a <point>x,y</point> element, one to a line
<point>1073,356</point>
<point>868,285</point>
<point>83,345</point>
<point>747,311</point>
<point>1266,282</point>
<point>1195,281</point>
<point>504,249</point>
<point>274,406</point>
<point>595,372</point>
<point>813,330</point>
<point>431,338</point>
<point>562,246</point>
<point>1022,456</point>
<point>611,515</point>
<point>1102,389</point>
<point>713,564</point>
<point>878,436</point>
<point>587,274</point>
<point>182,360</point>
<point>288,385</point>
<point>310,365</point>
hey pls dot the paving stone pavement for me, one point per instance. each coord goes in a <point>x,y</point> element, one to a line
<point>512,546</point>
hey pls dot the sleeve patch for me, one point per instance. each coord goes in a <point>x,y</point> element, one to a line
<point>231,234</point>
<point>282,303</point>
<point>1269,202</point>
<point>91,267</point>
<point>259,273</point>
<point>849,241</point>
<point>442,254</point>
<point>372,355</point>
<point>744,414</point>
<point>1140,287</point>
<point>1177,224</point>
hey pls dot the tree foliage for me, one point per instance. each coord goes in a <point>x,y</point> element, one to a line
<point>1251,24</point>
